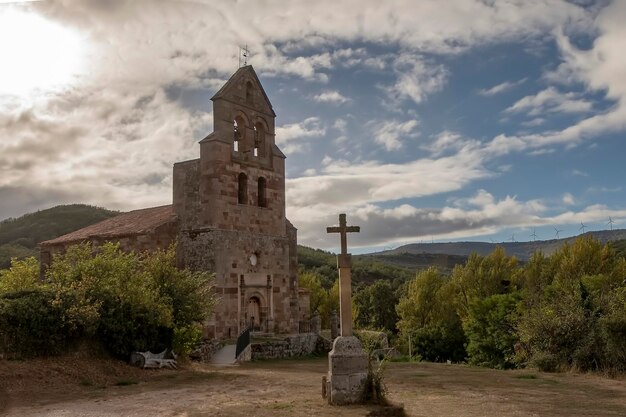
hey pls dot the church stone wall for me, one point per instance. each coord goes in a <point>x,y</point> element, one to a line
<point>272,280</point>
<point>159,238</point>
<point>186,198</point>
<point>219,188</point>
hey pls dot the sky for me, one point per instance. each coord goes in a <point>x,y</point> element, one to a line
<point>423,121</point>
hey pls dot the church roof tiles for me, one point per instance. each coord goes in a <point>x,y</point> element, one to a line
<point>131,223</point>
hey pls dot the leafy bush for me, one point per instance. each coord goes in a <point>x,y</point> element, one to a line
<point>491,332</point>
<point>22,275</point>
<point>374,307</point>
<point>185,339</point>
<point>482,277</point>
<point>546,362</point>
<point>575,314</point>
<point>439,342</point>
<point>428,315</point>
<point>124,300</point>
<point>40,322</point>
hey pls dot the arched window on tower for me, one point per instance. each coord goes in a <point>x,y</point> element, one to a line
<point>262,192</point>
<point>259,139</point>
<point>236,136</point>
<point>242,195</point>
<point>240,128</point>
<point>256,142</point>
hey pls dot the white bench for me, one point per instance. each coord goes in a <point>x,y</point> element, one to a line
<point>145,360</point>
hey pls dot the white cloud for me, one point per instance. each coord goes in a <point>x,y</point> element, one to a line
<point>94,146</point>
<point>391,134</point>
<point>331,96</point>
<point>604,189</point>
<point>111,135</point>
<point>481,214</point>
<point>449,141</point>
<point>538,121</point>
<point>340,125</point>
<point>542,151</point>
<point>568,199</point>
<point>416,79</point>
<point>501,88</point>
<point>292,137</point>
<point>551,100</point>
<point>355,184</point>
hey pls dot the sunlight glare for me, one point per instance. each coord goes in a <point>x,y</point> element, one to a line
<point>36,53</point>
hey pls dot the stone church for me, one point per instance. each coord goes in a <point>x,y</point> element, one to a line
<point>227,217</point>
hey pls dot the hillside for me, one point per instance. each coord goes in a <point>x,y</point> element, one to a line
<point>522,250</point>
<point>371,267</point>
<point>19,237</point>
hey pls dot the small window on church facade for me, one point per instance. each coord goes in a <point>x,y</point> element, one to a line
<point>239,134</point>
<point>243,189</point>
<point>256,142</point>
<point>262,193</point>
<point>236,136</point>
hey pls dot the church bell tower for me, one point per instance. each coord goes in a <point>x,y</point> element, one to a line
<point>230,205</point>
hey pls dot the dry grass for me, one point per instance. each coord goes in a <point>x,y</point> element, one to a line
<point>71,386</point>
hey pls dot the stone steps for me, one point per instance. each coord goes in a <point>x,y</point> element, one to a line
<point>225,356</point>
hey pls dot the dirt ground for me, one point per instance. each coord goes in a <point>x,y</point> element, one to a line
<point>78,387</point>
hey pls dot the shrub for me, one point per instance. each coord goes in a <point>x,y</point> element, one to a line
<point>41,322</point>
<point>546,362</point>
<point>428,315</point>
<point>125,301</point>
<point>490,330</point>
<point>22,275</point>
<point>185,339</point>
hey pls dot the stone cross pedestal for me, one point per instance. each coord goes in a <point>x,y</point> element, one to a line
<point>334,325</point>
<point>347,361</point>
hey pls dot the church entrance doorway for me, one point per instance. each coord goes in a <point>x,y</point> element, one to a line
<point>254,314</point>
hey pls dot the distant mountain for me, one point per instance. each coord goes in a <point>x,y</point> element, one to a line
<point>521,250</point>
<point>416,261</point>
<point>19,237</point>
<point>371,267</point>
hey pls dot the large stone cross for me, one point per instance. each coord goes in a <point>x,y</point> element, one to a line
<point>344,265</point>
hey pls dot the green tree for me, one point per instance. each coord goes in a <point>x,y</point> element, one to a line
<point>126,301</point>
<point>22,275</point>
<point>331,304</point>
<point>428,315</point>
<point>491,331</point>
<point>318,295</point>
<point>41,322</point>
<point>484,276</point>
<point>574,315</point>
<point>133,314</point>
<point>189,294</point>
<point>375,306</point>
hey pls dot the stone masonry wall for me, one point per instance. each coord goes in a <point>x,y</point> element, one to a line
<point>292,346</point>
<point>219,190</point>
<point>227,253</point>
<point>160,238</point>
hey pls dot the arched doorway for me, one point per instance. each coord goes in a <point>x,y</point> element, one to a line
<point>254,314</point>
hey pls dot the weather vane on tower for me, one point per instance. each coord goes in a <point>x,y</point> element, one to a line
<point>243,55</point>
